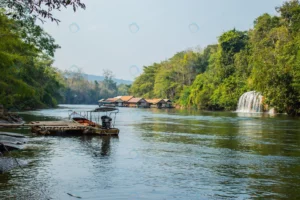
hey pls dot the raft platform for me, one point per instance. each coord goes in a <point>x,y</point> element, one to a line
<point>69,127</point>
<point>87,123</point>
<point>64,127</point>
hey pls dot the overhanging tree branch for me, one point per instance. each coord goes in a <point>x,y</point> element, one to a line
<point>40,9</point>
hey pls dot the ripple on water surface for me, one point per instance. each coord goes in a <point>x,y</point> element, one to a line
<point>163,154</point>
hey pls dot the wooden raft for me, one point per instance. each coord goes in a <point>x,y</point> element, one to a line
<point>68,127</point>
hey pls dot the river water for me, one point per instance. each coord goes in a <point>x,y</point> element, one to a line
<point>162,154</point>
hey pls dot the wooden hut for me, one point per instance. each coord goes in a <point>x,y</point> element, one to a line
<point>119,102</point>
<point>156,103</point>
<point>124,100</point>
<point>114,101</point>
<point>109,102</point>
<point>167,104</point>
<point>101,102</point>
<point>138,103</point>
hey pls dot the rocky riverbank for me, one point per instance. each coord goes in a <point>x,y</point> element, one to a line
<point>9,118</point>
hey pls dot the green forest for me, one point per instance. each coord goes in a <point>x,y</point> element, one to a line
<point>265,58</point>
<point>28,79</point>
<point>78,90</point>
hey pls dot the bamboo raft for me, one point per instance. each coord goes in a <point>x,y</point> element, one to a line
<point>77,124</point>
<point>67,127</point>
<point>71,127</point>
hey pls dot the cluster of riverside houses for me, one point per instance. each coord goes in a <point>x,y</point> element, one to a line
<point>131,101</point>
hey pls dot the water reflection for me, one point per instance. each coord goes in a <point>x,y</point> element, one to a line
<point>165,154</point>
<point>100,146</point>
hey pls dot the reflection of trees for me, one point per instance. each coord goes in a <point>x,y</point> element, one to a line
<point>268,136</point>
<point>245,156</point>
<point>256,154</point>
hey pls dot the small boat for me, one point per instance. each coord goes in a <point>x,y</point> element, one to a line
<point>87,123</point>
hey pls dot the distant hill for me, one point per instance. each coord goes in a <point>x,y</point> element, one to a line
<point>101,78</point>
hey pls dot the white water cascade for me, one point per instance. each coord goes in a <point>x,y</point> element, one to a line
<point>250,102</point>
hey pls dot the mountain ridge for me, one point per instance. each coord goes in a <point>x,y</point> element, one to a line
<point>101,78</point>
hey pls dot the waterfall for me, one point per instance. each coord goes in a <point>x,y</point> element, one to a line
<point>250,102</point>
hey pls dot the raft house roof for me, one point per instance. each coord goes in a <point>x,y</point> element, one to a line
<point>167,100</point>
<point>112,100</point>
<point>155,101</point>
<point>136,100</point>
<point>125,98</point>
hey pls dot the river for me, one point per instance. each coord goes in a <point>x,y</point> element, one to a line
<point>162,154</point>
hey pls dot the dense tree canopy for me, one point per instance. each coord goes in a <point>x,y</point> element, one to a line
<point>265,58</point>
<point>27,78</point>
<point>81,91</point>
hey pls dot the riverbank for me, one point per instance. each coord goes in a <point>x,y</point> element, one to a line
<point>9,118</point>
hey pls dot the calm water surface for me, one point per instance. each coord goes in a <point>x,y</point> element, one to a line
<point>162,154</point>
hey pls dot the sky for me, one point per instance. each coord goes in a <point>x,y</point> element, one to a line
<point>125,35</point>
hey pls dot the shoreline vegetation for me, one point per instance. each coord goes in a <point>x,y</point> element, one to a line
<point>265,59</point>
<point>28,80</point>
<point>9,118</point>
